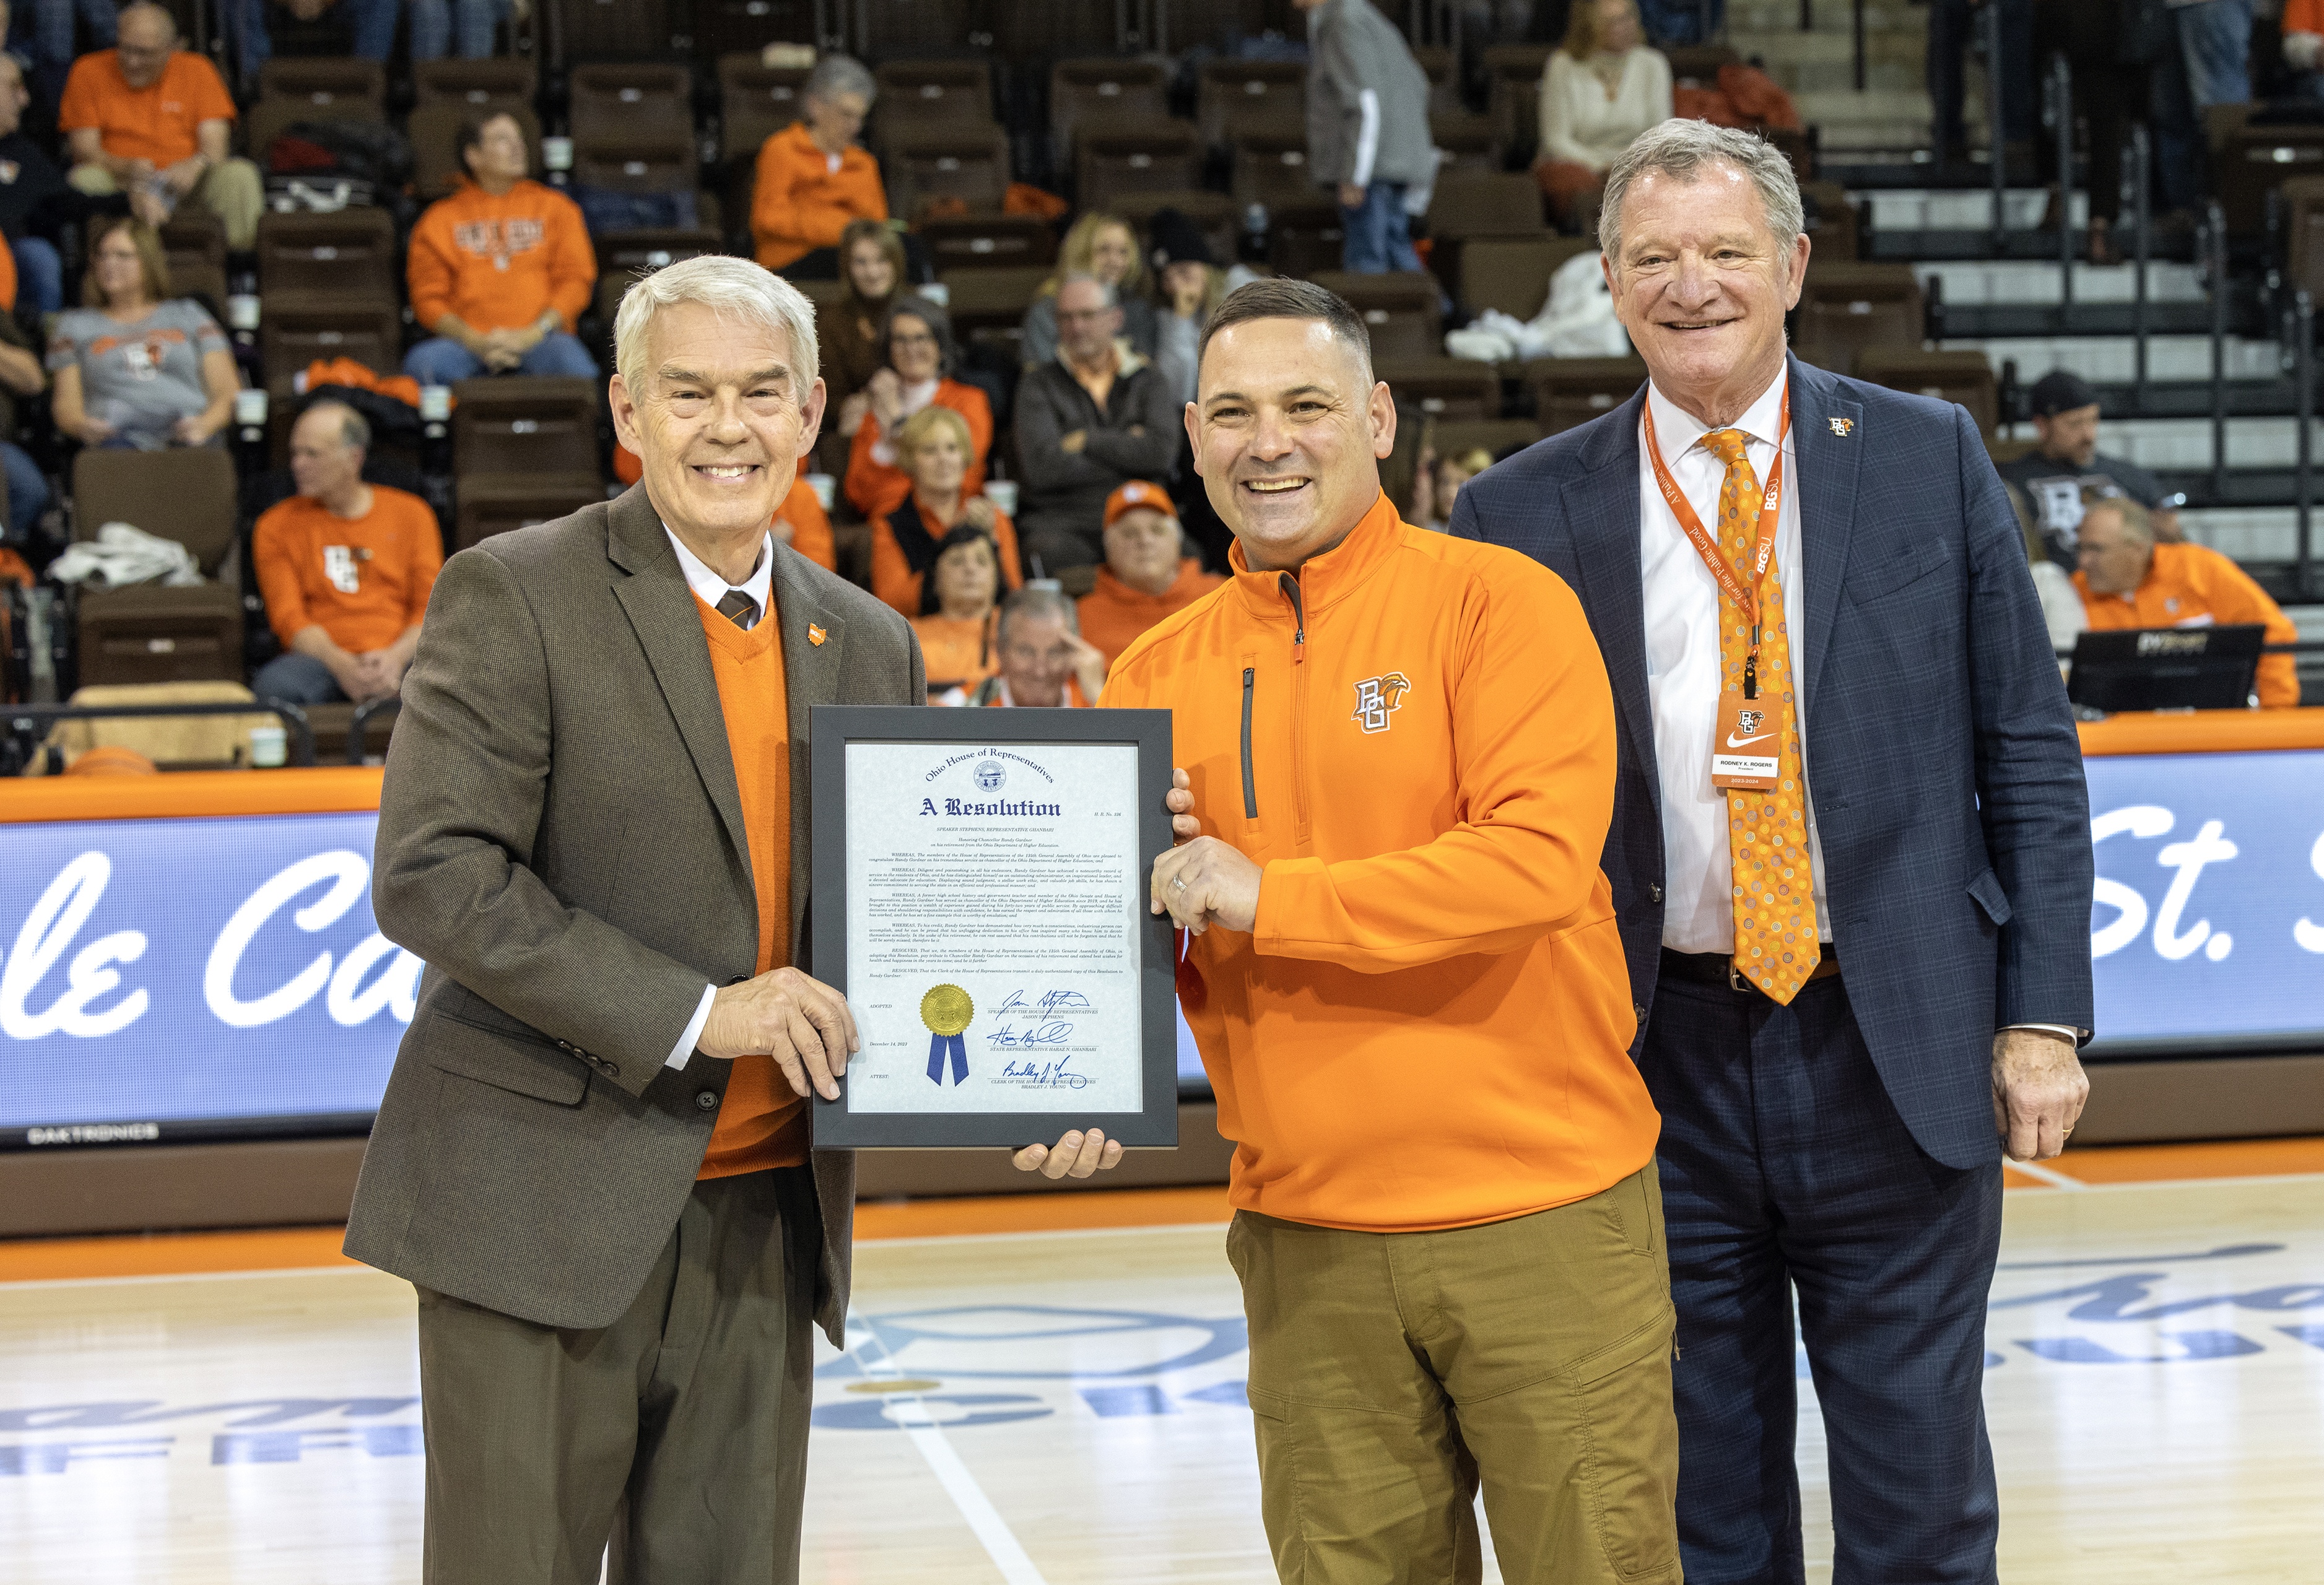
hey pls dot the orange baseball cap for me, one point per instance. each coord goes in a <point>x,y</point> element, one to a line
<point>1138,493</point>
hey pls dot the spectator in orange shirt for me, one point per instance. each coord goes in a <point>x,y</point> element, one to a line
<point>1147,573</point>
<point>2303,47</point>
<point>148,119</point>
<point>499,272</point>
<point>959,628</point>
<point>345,568</point>
<point>813,179</point>
<point>917,355</point>
<point>934,442</point>
<point>2128,581</point>
<point>1044,664</point>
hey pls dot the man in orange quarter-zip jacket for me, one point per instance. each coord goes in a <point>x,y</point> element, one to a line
<point>1396,763</point>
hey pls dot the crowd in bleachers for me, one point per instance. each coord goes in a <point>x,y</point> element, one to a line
<point>382,208</point>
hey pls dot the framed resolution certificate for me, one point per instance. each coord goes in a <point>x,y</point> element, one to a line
<point>980,895</point>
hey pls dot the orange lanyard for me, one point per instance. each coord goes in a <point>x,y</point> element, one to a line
<point>1745,596</point>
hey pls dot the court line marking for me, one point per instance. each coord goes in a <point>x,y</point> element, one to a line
<point>2047,1175</point>
<point>1000,1541</point>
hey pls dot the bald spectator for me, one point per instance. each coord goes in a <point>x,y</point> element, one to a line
<point>1088,422</point>
<point>813,179</point>
<point>2065,461</point>
<point>346,567</point>
<point>500,271</point>
<point>1147,573</point>
<point>1045,662</point>
<point>153,121</point>
<point>2128,581</point>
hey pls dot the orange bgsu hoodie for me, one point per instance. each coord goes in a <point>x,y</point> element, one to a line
<point>1429,1026</point>
<point>498,263</point>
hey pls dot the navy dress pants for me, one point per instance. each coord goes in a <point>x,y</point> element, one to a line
<point>1784,1165</point>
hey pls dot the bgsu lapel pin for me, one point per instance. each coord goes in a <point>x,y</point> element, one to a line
<point>814,635</point>
<point>1841,427</point>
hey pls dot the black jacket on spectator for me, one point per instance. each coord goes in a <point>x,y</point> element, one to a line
<point>36,201</point>
<point>1065,491</point>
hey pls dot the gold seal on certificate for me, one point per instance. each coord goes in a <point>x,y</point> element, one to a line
<point>947,1010</point>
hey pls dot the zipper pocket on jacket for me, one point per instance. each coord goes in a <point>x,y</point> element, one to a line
<point>1249,779</point>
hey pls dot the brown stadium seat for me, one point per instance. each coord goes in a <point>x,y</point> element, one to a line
<point>1513,98</point>
<point>967,162</point>
<point>1214,215</point>
<point>2302,201</point>
<point>624,255</point>
<point>1512,274</point>
<point>608,30</point>
<point>351,254</point>
<point>434,134</point>
<point>754,103</point>
<point>490,505</point>
<point>626,166</point>
<point>724,27</point>
<point>146,633</point>
<point>1494,436</point>
<point>1448,389</point>
<point>988,305</point>
<point>1833,230</point>
<point>1232,93</point>
<point>915,92</point>
<point>983,242</point>
<point>301,327</point>
<point>1270,166</point>
<point>1467,142</point>
<point>2251,162</point>
<point>648,103</point>
<point>1306,237</point>
<point>477,86</point>
<point>1962,377</point>
<point>1401,309</point>
<point>1845,308</point>
<point>1123,157</point>
<point>326,83</point>
<point>1567,391</point>
<point>514,427</point>
<point>1105,88</point>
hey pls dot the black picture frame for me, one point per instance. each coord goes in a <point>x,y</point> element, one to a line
<point>832,729</point>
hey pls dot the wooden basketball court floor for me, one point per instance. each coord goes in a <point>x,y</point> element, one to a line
<point>1049,1389</point>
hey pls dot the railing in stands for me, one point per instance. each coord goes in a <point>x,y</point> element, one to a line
<point>2062,100</point>
<point>2215,257</point>
<point>2303,381</point>
<point>2142,230</point>
<point>1997,142</point>
<point>360,723</point>
<point>28,724</point>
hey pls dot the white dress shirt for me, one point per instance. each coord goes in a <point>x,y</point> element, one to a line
<point>710,588</point>
<point>1683,672</point>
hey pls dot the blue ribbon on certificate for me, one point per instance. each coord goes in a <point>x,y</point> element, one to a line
<point>939,1045</point>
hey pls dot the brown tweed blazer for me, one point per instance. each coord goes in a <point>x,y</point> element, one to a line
<point>561,842</point>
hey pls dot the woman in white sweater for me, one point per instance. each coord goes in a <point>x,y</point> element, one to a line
<point>1601,89</point>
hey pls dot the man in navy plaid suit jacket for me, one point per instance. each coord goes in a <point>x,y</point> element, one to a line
<point>1845,1140</point>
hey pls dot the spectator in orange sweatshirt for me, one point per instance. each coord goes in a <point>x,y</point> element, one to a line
<point>2126,580</point>
<point>1407,983</point>
<point>813,179</point>
<point>346,567</point>
<point>1147,573</point>
<point>499,270</point>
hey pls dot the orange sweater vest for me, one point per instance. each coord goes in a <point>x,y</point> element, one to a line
<point>761,1123</point>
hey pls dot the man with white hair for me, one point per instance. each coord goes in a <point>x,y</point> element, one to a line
<point>592,1158</point>
<point>1850,853</point>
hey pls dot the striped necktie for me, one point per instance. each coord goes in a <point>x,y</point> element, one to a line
<point>740,609</point>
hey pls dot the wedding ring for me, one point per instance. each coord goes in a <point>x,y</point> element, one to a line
<point>1180,883</point>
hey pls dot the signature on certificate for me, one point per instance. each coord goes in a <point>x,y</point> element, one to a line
<point>1052,1075</point>
<point>1047,1005</point>
<point>1009,1037</point>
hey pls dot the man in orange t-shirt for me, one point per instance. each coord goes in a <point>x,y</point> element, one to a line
<point>2128,581</point>
<point>345,568</point>
<point>1146,576</point>
<point>153,121</point>
<point>500,271</point>
<point>1406,980</point>
<point>813,179</point>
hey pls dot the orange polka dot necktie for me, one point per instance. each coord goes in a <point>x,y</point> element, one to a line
<point>1776,946</point>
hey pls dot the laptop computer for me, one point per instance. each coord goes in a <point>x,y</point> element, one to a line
<point>2166,669</point>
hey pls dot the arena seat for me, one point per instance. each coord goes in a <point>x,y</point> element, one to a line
<point>350,254</point>
<point>648,103</point>
<point>964,162</point>
<point>1214,215</point>
<point>146,633</point>
<point>487,506</point>
<point>1492,436</point>
<point>754,103</point>
<point>476,86</point>
<point>1512,274</point>
<point>1964,377</point>
<point>1270,166</point>
<point>915,92</point>
<point>513,427</point>
<point>725,27</point>
<point>1513,97</point>
<point>607,30</point>
<point>1443,388</point>
<point>302,327</point>
<point>983,242</point>
<point>1232,93</point>
<point>1400,308</point>
<point>1567,391</point>
<point>1116,157</point>
<point>1305,237</point>
<point>1106,88</point>
<point>1845,308</point>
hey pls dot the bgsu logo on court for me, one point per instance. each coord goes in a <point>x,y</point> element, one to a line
<point>1380,697</point>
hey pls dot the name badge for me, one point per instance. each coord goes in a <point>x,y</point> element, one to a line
<point>1745,742</point>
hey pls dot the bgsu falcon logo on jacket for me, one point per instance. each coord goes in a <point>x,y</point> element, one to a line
<point>1377,698</point>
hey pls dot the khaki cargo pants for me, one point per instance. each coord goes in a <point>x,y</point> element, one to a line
<point>1392,1373</point>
